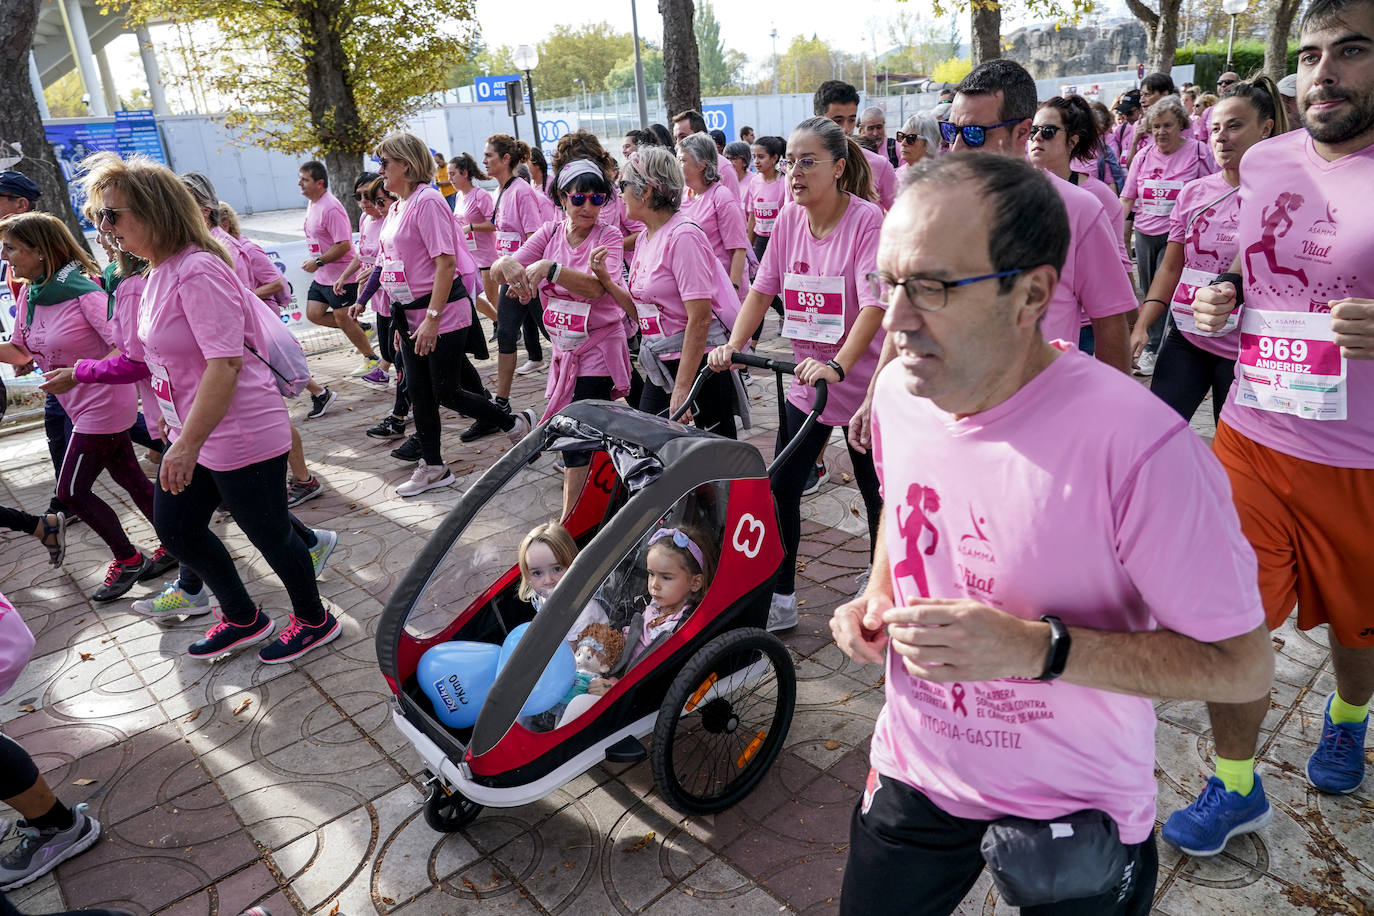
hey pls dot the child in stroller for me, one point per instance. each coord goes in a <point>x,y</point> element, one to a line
<point>544,556</point>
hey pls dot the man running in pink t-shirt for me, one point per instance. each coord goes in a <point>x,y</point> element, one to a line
<point>1296,434</point>
<point>1019,538</point>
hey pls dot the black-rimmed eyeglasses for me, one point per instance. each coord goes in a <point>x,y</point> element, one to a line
<point>926,293</point>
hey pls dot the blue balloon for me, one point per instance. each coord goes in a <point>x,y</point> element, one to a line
<point>558,674</point>
<point>456,677</point>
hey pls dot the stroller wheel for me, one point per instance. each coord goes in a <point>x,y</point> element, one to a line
<point>447,811</point>
<point>723,721</point>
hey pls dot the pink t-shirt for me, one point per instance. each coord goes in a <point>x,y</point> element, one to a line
<point>795,259</point>
<point>884,178</point>
<point>194,310</point>
<point>1111,205</point>
<point>517,214</point>
<point>326,224</point>
<point>1202,127</point>
<point>1205,223</point>
<point>253,267</point>
<point>1091,282</point>
<point>547,208</point>
<point>369,246</point>
<point>563,311</point>
<point>1155,180</point>
<point>416,231</point>
<point>718,214</point>
<point>128,295</point>
<point>613,214</point>
<point>764,202</point>
<point>1306,241</point>
<point>475,206</point>
<point>71,330</point>
<point>727,175</point>
<point>670,267</point>
<point>1015,508</point>
<point>1119,138</point>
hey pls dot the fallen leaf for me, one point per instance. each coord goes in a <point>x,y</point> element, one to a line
<point>832,745</point>
<point>467,882</point>
<point>388,901</point>
<point>242,706</point>
<point>855,511</point>
<point>801,603</point>
<point>334,910</point>
<point>26,709</point>
<point>642,842</point>
<point>87,657</point>
<point>83,782</point>
<point>195,714</point>
<point>845,477</point>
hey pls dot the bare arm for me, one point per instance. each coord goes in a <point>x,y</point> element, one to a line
<point>860,428</point>
<point>737,261</point>
<point>1111,341</point>
<point>1157,298</point>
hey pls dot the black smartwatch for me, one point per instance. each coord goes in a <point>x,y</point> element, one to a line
<point>319,262</point>
<point>1237,281</point>
<point>1058,656</point>
<point>834,364</point>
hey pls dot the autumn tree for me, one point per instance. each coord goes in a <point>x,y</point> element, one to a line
<point>720,66</point>
<point>587,53</point>
<point>24,134</point>
<point>681,64</point>
<point>985,37</point>
<point>324,78</point>
<point>622,75</point>
<point>1161,32</point>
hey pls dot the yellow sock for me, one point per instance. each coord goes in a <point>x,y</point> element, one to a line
<point>1343,712</point>
<point>1237,775</point>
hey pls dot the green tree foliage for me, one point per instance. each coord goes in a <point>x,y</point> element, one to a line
<point>64,97</point>
<point>808,62</point>
<point>919,44</point>
<point>587,53</point>
<point>1247,59</point>
<point>622,75</point>
<point>985,19</point>
<point>720,67</point>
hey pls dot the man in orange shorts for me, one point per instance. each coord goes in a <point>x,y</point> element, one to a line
<point>1297,433</point>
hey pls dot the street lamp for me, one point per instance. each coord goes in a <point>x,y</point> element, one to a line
<point>1233,8</point>
<point>774,35</point>
<point>527,58</point>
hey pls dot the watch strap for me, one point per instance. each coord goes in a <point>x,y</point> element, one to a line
<point>1058,657</point>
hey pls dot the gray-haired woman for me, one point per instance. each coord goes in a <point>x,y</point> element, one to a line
<point>710,205</point>
<point>918,138</point>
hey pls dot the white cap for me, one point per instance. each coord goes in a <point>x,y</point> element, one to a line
<point>1289,86</point>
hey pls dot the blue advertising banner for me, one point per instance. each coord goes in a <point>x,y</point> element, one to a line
<point>130,132</point>
<point>493,88</point>
<point>721,117</point>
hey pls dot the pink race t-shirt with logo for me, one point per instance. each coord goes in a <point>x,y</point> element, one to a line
<point>76,329</point>
<point>369,246</point>
<point>765,200</point>
<point>794,261</point>
<point>884,178</point>
<point>517,214</point>
<point>416,231</point>
<point>718,214</point>
<point>1204,222</point>
<point>326,224</point>
<point>1155,180</point>
<point>193,310</point>
<point>1014,508</point>
<point>1307,240</point>
<point>476,206</point>
<point>669,268</point>
<point>563,310</point>
<point>1092,282</point>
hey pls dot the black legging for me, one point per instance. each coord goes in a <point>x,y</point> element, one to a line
<point>387,345</point>
<point>513,317</point>
<point>255,496</point>
<point>1186,372</point>
<point>760,246</point>
<point>715,407</point>
<point>18,520</point>
<point>790,479</point>
<point>442,377</point>
<point>18,773</point>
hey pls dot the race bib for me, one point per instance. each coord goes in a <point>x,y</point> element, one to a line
<point>1189,282</point>
<point>566,322</point>
<point>393,281</point>
<point>508,242</point>
<point>813,308</point>
<point>162,391</point>
<point>470,240</point>
<point>313,247</point>
<point>765,216</point>
<point>1157,196</point>
<point>1289,363</point>
<point>650,321</point>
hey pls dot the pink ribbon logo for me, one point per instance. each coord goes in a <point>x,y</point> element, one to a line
<point>957,692</point>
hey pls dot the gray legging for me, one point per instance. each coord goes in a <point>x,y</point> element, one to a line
<point>1149,254</point>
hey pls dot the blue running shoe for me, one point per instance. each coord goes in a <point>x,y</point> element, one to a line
<point>1204,827</point>
<point>1337,765</point>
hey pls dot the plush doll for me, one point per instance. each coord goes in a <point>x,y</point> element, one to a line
<point>598,649</point>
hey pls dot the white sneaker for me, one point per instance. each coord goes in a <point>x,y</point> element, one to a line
<point>782,613</point>
<point>425,477</point>
<point>524,422</point>
<point>1145,363</point>
<point>530,366</point>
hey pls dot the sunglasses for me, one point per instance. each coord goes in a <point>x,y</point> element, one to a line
<point>974,135</point>
<point>1226,82</point>
<point>908,139</point>
<point>597,199</point>
<point>1048,131</point>
<point>109,215</point>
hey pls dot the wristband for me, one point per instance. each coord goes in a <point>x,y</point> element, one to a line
<point>837,367</point>
<point>1160,301</point>
<point>554,270</point>
<point>319,262</point>
<point>1236,281</point>
<point>1058,656</point>
<point>433,313</point>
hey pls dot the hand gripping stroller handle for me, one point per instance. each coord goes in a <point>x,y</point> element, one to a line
<point>779,367</point>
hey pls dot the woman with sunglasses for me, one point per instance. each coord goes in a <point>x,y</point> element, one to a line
<point>424,269</point>
<point>820,255</point>
<point>62,317</point>
<point>712,206</point>
<point>918,138</point>
<point>1202,244</point>
<point>226,422</point>
<point>569,264</point>
<point>1157,176</point>
<point>680,295</point>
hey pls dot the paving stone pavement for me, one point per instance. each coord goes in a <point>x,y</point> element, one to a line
<point>225,785</point>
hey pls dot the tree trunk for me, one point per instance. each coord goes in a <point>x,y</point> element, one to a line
<point>681,65</point>
<point>1150,19</point>
<point>333,108</point>
<point>1276,44</point>
<point>21,132</point>
<point>986,33</point>
<point>1166,37</point>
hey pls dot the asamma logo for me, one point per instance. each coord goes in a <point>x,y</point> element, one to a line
<point>976,546</point>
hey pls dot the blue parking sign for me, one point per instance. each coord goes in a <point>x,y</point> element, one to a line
<point>493,88</point>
